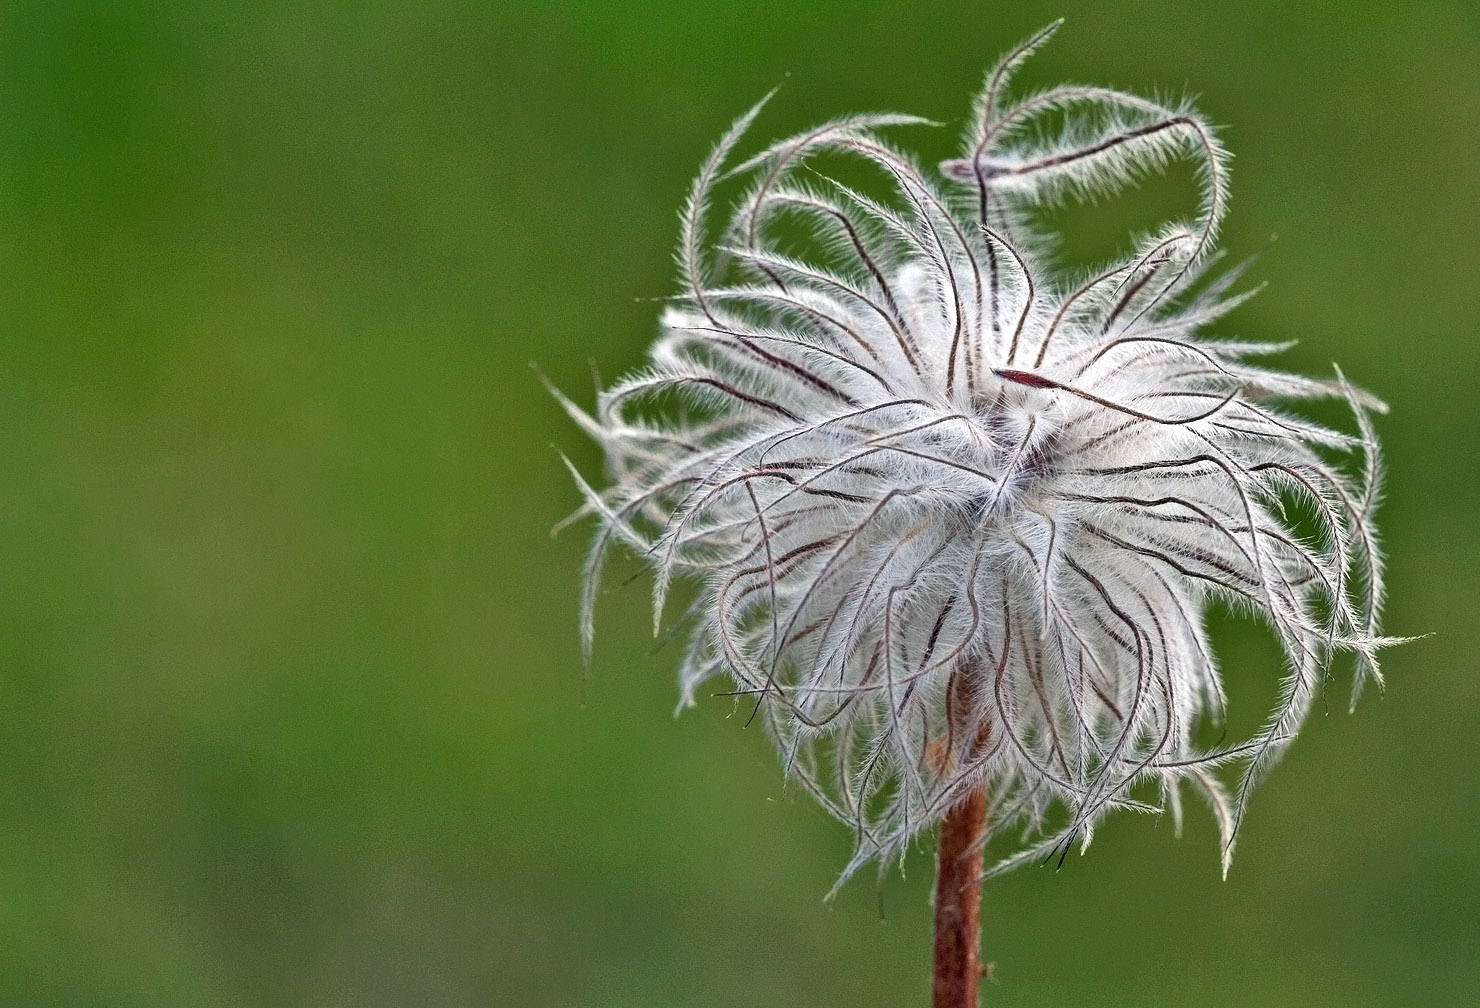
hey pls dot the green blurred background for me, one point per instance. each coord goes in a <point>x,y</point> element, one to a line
<point>291,702</point>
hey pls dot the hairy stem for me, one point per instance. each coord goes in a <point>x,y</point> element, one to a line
<point>958,898</point>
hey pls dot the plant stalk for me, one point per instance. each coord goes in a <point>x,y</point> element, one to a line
<point>958,898</point>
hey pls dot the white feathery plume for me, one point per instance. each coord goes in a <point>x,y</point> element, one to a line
<point>955,517</point>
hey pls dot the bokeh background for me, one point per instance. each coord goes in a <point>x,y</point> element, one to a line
<point>291,703</point>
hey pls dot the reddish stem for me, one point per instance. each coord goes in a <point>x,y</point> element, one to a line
<point>958,898</point>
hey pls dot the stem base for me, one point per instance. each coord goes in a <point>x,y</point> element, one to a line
<point>958,896</point>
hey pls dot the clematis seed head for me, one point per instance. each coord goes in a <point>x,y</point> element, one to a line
<point>954,514</point>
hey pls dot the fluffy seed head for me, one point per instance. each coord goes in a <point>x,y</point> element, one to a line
<point>954,516</point>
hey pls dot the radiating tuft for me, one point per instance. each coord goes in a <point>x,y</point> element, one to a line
<point>955,516</point>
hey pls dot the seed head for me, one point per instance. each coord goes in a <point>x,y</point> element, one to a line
<point>954,516</point>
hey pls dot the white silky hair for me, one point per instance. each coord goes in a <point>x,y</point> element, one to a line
<point>955,517</point>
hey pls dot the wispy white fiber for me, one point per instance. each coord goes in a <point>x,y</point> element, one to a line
<point>954,516</point>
